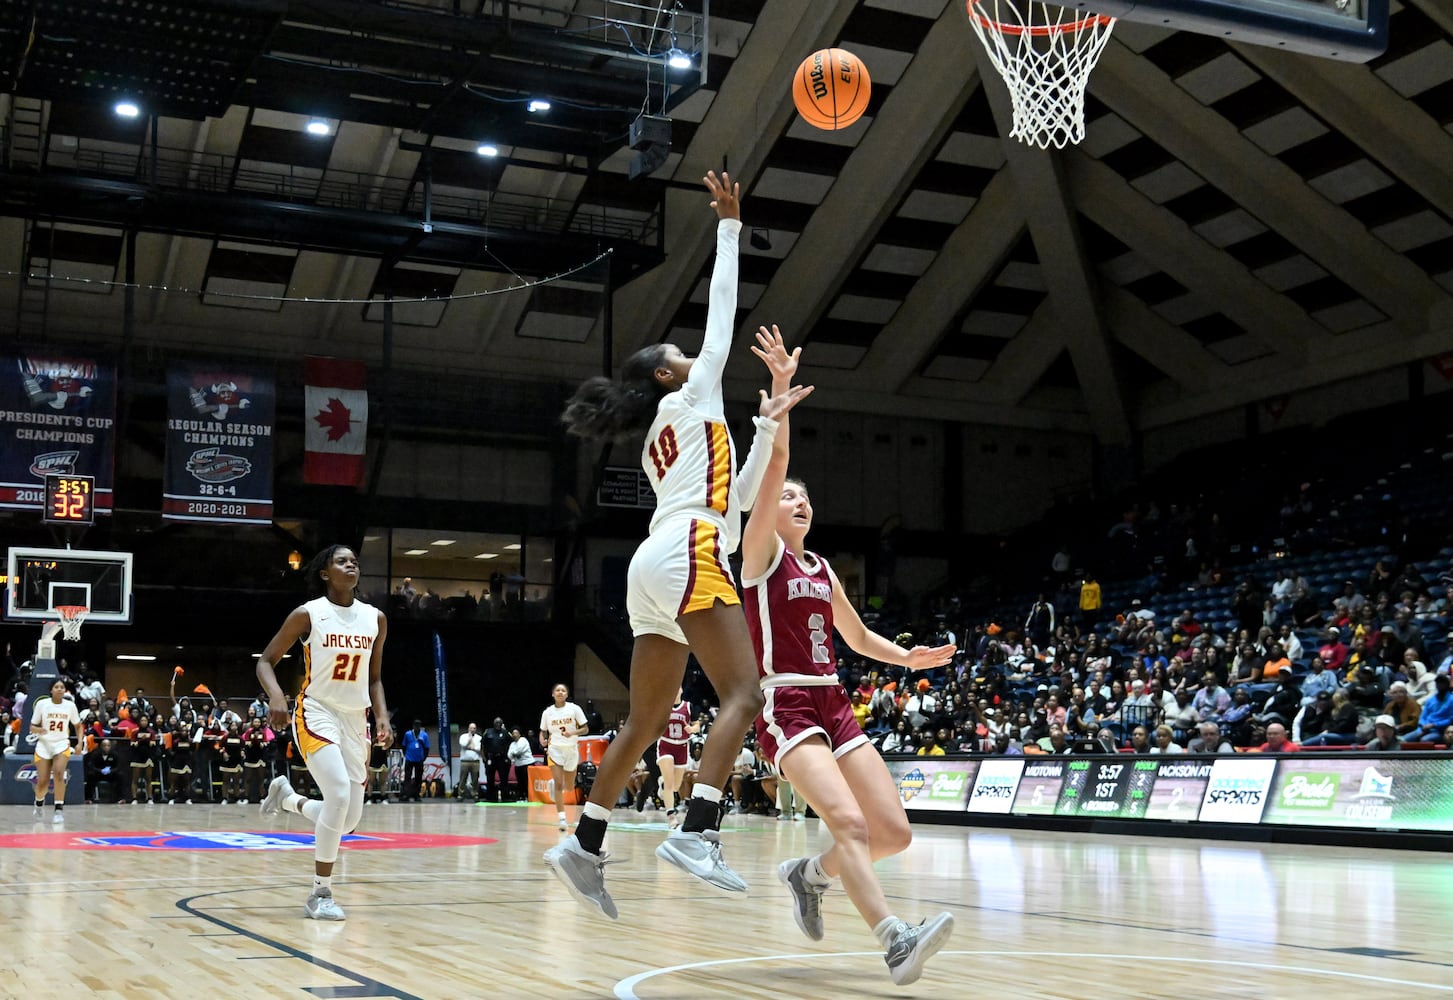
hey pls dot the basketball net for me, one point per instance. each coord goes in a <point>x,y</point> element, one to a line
<point>1045,54</point>
<point>69,626</point>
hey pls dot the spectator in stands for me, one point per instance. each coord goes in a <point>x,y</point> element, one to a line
<point>899,739</point>
<point>1368,693</point>
<point>1403,708</point>
<point>1236,720</point>
<point>102,768</point>
<point>1384,736</point>
<point>1341,729</point>
<point>1210,740</point>
<point>1437,713</point>
<point>1379,578</point>
<point>932,746</point>
<point>1276,740</point>
<point>1312,719</point>
<point>1321,680</point>
<point>1090,601</point>
<point>1140,740</point>
<point>1247,667</point>
<point>1059,742</point>
<point>1285,701</point>
<point>1211,701</point>
<point>1333,653</point>
<point>1165,742</point>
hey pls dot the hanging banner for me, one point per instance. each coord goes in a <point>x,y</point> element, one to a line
<point>218,445</point>
<point>57,416</point>
<point>335,421</point>
<point>441,693</point>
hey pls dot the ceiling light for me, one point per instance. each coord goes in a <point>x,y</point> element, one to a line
<point>139,657</point>
<point>417,552</point>
<point>547,560</point>
<point>127,109</point>
<point>318,126</point>
<point>444,541</point>
<point>371,538</point>
<point>514,547</point>
<point>487,555</point>
<point>487,149</point>
<point>538,104</point>
<point>677,59</point>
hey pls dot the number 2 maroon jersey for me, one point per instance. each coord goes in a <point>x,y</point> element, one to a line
<point>789,614</point>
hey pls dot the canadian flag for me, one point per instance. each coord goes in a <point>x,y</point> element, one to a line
<point>335,421</point>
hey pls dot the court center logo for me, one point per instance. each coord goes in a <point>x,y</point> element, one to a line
<point>228,840</point>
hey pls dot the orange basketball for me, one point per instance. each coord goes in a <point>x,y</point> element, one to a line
<point>831,89</point>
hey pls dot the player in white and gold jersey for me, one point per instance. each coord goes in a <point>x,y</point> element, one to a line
<point>51,723</point>
<point>679,592</point>
<point>342,641</point>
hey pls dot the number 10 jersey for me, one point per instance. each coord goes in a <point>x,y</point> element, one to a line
<point>337,651</point>
<point>789,614</point>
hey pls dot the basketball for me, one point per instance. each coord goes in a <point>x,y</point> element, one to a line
<point>831,89</point>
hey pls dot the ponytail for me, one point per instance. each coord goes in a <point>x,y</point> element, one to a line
<point>604,409</point>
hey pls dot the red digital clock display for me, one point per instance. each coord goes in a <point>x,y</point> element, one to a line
<point>70,499</point>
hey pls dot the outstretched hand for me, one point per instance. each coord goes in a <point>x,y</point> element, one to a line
<point>928,657</point>
<point>773,351</point>
<point>725,195</point>
<point>775,407</point>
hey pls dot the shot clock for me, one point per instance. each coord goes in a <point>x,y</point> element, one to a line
<point>70,499</point>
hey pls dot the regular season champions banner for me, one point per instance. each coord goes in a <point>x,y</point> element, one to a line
<point>57,415</point>
<point>218,445</point>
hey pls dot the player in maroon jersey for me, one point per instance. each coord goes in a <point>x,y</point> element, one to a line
<point>671,754</point>
<point>793,600</point>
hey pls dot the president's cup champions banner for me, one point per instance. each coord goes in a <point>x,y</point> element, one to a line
<point>219,445</point>
<point>57,416</point>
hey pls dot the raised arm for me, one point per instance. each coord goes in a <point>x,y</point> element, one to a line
<point>759,538</point>
<point>865,642</point>
<point>703,385</point>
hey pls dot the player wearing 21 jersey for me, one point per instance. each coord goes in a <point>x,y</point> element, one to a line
<point>51,723</point>
<point>807,728</point>
<point>343,663</point>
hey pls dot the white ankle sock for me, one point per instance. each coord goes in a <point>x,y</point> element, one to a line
<point>814,873</point>
<point>596,812</point>
<point>887,929</point>
<point>708,792</point>
<point>322,882</point>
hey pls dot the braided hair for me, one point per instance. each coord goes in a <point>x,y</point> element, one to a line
<point>316,566</point>
<point>605,409</point>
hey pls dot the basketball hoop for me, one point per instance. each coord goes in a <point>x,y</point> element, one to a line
<point>1045,54</point>
<point>72,615</point>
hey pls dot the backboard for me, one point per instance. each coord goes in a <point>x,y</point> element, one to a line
<point>1351,30</point>
<point>38,580</point>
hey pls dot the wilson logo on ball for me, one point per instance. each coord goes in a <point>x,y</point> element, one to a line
<point>831,89</point>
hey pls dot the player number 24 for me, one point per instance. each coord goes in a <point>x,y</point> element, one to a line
<point>663,451</point>
<point>345,668</point>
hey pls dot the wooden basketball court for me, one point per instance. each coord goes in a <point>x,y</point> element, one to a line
<point>1038,914</point>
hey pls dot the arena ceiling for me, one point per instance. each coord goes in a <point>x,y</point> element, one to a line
<point>1238,224</point>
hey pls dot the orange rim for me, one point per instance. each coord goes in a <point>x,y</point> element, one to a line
<point>1041,29</point>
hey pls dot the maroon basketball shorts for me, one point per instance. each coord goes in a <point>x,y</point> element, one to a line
<point>793,714</point>
<point>676,751</point>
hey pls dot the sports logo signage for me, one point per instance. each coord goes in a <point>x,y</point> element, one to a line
<point>57,416</point>
<point>997,782</point>
<point>1237,790</point>
<point>219,446</point>
<point>228,840</point>
<point>1405,792</point>
<point>936,785</point>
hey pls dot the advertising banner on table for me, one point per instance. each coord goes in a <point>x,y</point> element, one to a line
<point>934,783</point>
<point>1179,787</point>
<point>1405,793</point>
<point>57,416</point>
<point>219,451</point>
<point>1039,788</point>
<point>995,784</point>
<point>1237,790</point>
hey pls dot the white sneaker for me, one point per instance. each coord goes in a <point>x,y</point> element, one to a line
<point>699,854</point>
<point>35,812</point>
<point>913,946</point>
<point>583,873</point>
<point>320,906</point>
<point>806,896</point>
<point>60,817</point>
<point>564,823</point>
<point>278,792</point>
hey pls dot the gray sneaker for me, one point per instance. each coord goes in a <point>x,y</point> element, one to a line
<point>277,794</point>
<point>320,906</point>
<point>583,873</point>
<point>699,854</point>
<point>913,946</point>
<point>806,897</point>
